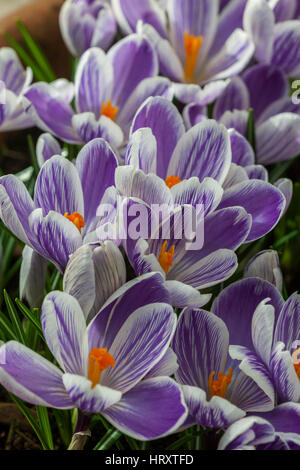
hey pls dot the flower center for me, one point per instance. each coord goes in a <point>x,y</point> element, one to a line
<point>99,360</point>
<point>165,258</point>
<point>296,361</point>
<point>219,386</point>
<point>172,181</point>
<point>192,46</point>
<point>77,219</point>
<point>109,111</point>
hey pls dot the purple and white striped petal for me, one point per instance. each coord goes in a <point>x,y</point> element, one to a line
<point>88,128</point>
<point>203,151</point>
<point>46,147</point>
<point>246,434</point>
<point>16,206</point>
<point>93,81</point>
<point>131,296</point>
<point>262,201</point>
<point>49,112</point>
<point>191,191</point>
<point>259,22</point>
<point>12,72</point>
<point>262,330</point>
<point>284,374</point>
<point>140,343</point>
<point>197,359</point>
<point>182,295</point>
<point>31,377</point>
<point>133,59</point>
<point>285,185</point>
<point>235,96</point>
<point>248,395</point>
<point>141,150</point>
<point>166,367</point>
<point>129,12</point>
<point>215,413</point>
<point>232,58</point>
<point>86,398</point>
<point>237,303</point>
<point>242,151</point>
<point>266,266</point>
<point>286,52</point>
<point>58,187</point>
<point>64,329</point>
<point>153,408</point>
<point>166,125</point>
<point>96,164</point>
<point>32,278</point>
<point>56,238</point>
<point>288,324</point>
<point>278,138</point>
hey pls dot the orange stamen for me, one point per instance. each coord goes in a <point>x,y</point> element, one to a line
<point>172,181</point>
<point>192,46</point>
<point>296,361</point>
<point>165,258</point>
<point>109,111</point>
<point>218,387</point>
<point>99,360</point>
<point>77,219</point>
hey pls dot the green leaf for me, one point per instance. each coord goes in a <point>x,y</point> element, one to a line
<point>43,417</point>
<point>108,440</point>
<point>31,419</point>
<point>37,53</point>
<point>15,320</point>
<point>31,317</point>
<point>251,136</point>
<point>33,155</point>
<point>6,326</point>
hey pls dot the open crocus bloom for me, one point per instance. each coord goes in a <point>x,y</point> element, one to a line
<point>15,81</point>
<point>62,215</point>
<point>216,391</point>
<point>205,151</point>
<point>87,23</point>
<point>267,340</point>
<point>197,47</point>
<point>109,88</point>
<point>276,430</point>
<point>276,116</point>
<point>103,366</point>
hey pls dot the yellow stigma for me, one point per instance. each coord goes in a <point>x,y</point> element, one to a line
<point>165,258</point>
<point>109,111</point>
<point>77,219</point>
<point>192,46</point>
<point>99,360</point>
<point>296,361</point>
<point>172,180</point>
<point>218,387</point>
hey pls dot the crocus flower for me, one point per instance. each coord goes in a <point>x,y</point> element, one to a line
<point>14,83</point>
<point>276,43</point>
<point>265,265</point>
<point>93,274</point>
<point>216,391</point>
<point>265,89</point>
<point>87,23</point>
<point>102,367</point>
<point>32,277</point>
<point>205,151</point>
<point>62,215</point>
<point>46,147</point>
<point>278,429</point>
<point>198,45</point>
<point>109,88</point>
<point>267,340</point>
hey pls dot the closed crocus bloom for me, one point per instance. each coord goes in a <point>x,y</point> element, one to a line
<point>62,215</point>
<point>268,336</point>
<point>109,88</point>
<point>196,43</point>
<point>216,391</point>
<point>276,430</point>
<point>87,23</point>
<point>93,274</point>
<point>32,277</point>
<point>47,146</point>
<point>102,368</point>
<point>265,265</point>
<point>14,83</point>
